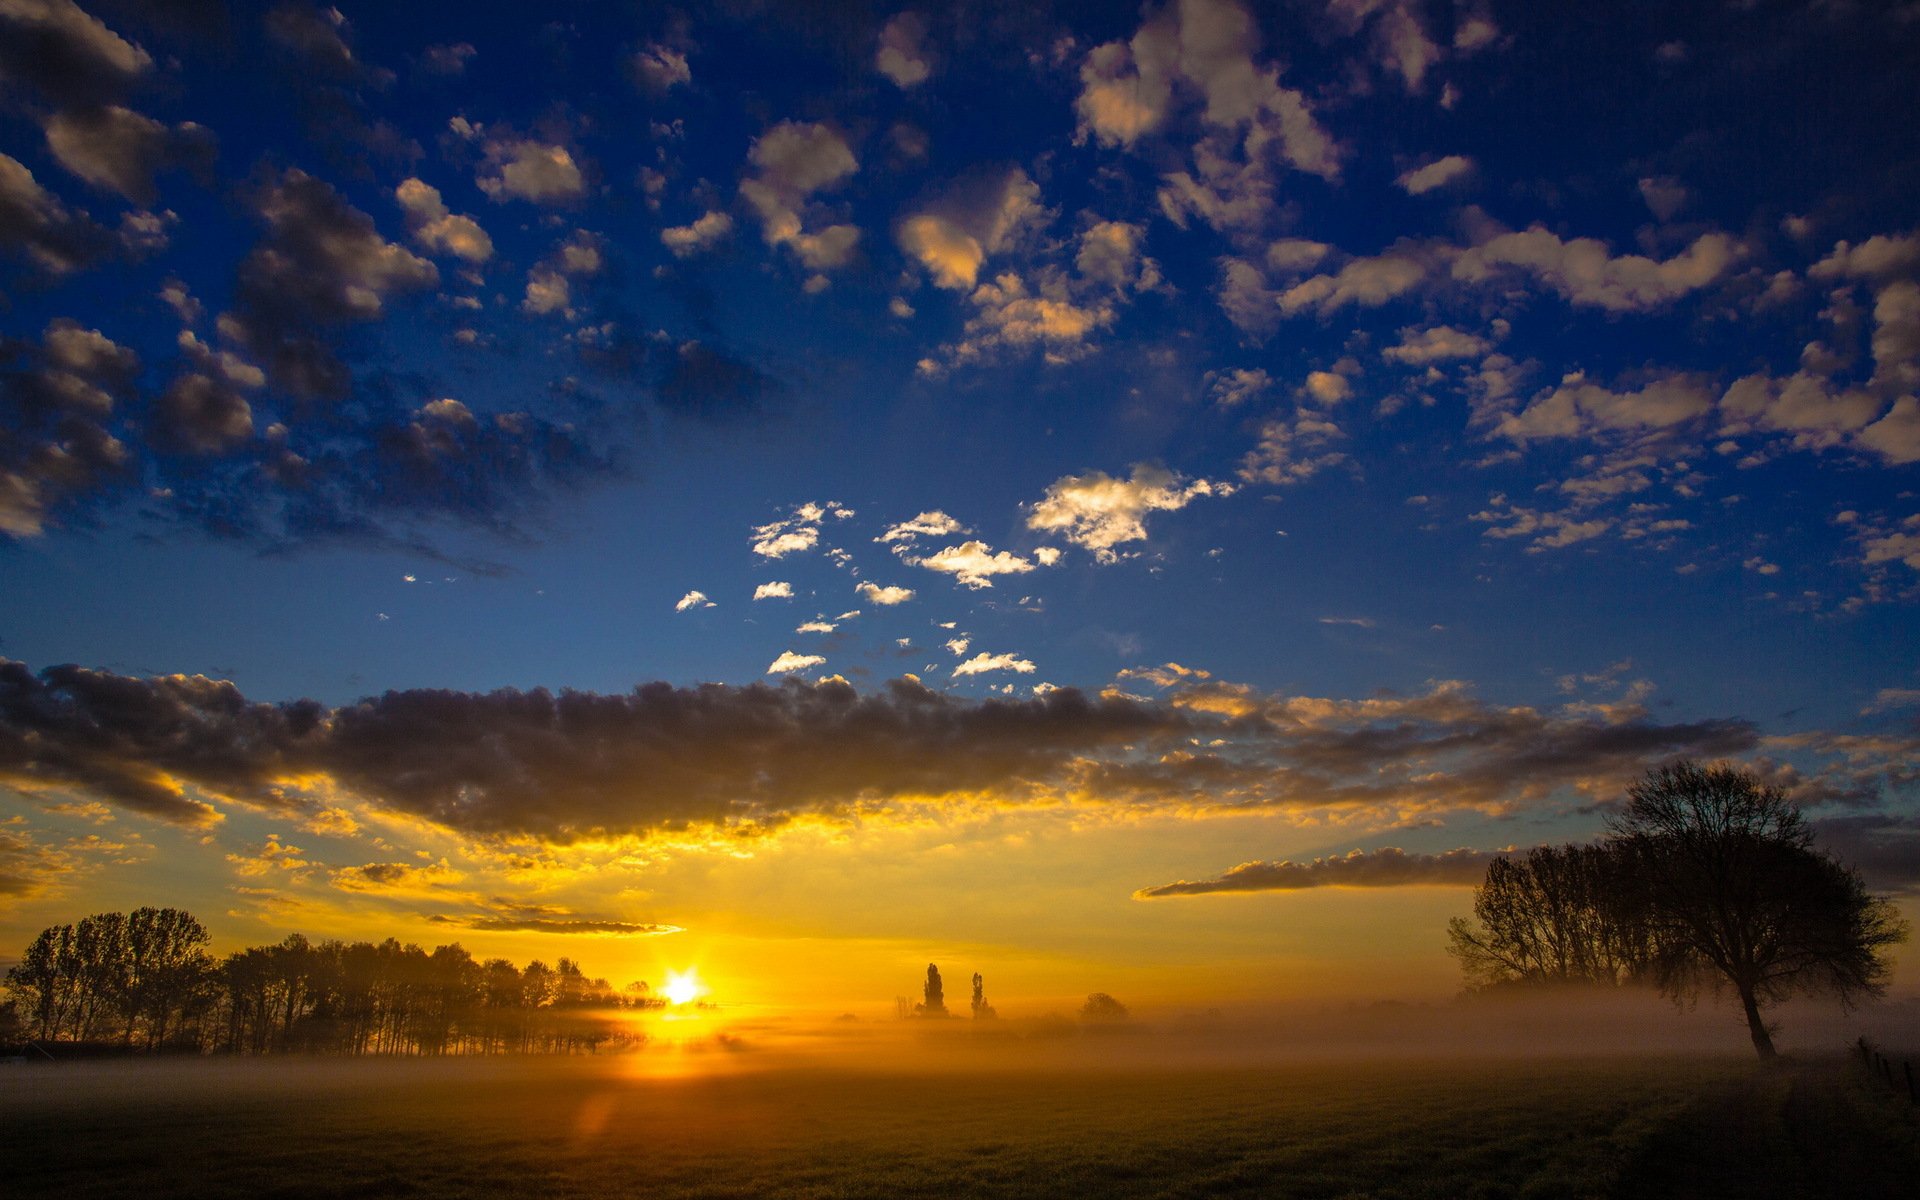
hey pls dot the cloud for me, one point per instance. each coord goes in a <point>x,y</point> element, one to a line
<point>1882,258</point>
<point>1294,446</point>
<point>33,222</point>
<point>570,928</point>
<point>57,446</point>
<point>708,231</point>
<point>396,878</point>
<point>798,531</point>
<point>1580,409</point>
<point>121,151</point>
<point>322,264</point>
<point>789,661</point>
<point>517,168</point>
<point>932,523</point>
<point>1098,512</point>
<point>794,160</point>
<point>1110,253</point>
<point>1367,282</point>
<point>901,56</point>
<point>1664,196</point>
<point>1548,530</point>
<point>440,231</point>
<point>1251,125</point>
<point>1423,347</point>
<point>562,767</point>
<point>883,596</point>
<point>447,59</point>
<point>1435,175</point>
<point>777,590</point>
<point>1239,386</point>
<point>982,663</point>
<point>659,68</point>
<point>32,866</point>
<point>1883,847</point>
<point>1386,867</point>
<point>1127,88</point>
<point>549,283</point>
<point>1328,387</point>
<point>974,563</point>
<point>1012,313</point>
<point>66,53</point>
<point>1586,272</point>
<point>316,36</point>
<point>694,599</point>
<point>1810,412</point>
<point>984,214</point>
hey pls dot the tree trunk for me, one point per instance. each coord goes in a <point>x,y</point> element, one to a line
<point>1762,1040</point>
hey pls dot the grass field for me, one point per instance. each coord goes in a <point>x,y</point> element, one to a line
<point>602,1127</point>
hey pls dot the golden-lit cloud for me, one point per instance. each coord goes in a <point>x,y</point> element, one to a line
<point>723,762</point>
<point>1100,512</point>
<point>883,596</point>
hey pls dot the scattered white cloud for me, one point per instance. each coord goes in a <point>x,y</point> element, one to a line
<point>793,160</point>
<point>1098,512</point>
<point>974,563</point>
<point>873,593</point>
<point>797,531</point>
<point>694,599</point>
<point>438,230</point>
<point>901,56</point>
<point>658,68</point>
<point>983,662</point>
<point>777,590</point>
<point>1240,386</point>
<point>932,523</point>
<point>1435,175</point>
<point>517,168</point>
<point>789,661</point>
<point>1423,347</point>
<point>708,231</point>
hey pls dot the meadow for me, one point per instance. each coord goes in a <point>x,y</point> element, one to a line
<point>713,1120</point>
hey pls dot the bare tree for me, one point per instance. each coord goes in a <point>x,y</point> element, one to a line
<point>1556,914</point>
<point>1736,895</point>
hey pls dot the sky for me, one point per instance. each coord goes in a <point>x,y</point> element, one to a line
<point>1137,499</point>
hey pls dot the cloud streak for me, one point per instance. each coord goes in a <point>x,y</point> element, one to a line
<point>1386,867</point>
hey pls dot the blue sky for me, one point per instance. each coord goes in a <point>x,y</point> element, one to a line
<point>1447,368</point>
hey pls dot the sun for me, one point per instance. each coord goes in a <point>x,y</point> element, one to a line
<point>683,987</point>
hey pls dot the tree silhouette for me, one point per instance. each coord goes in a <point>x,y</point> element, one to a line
<point>935,1002</point>
<point>982,1011</point>
<point>1102,1007</point>
<point>1556,914</point>
<point>1736,895</point>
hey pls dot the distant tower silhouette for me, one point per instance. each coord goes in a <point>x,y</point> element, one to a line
<point>935,1004</point>
<point>982,1011</point>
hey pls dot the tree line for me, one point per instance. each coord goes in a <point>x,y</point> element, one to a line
<point>1707,879</point>
<point>143,981</point>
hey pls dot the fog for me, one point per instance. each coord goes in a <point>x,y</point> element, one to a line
<point>722,1041</point>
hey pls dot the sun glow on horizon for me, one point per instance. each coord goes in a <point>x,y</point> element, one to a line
<point>682,987</point>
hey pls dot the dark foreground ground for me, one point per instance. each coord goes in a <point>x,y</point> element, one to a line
<point>1696,1127</point>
